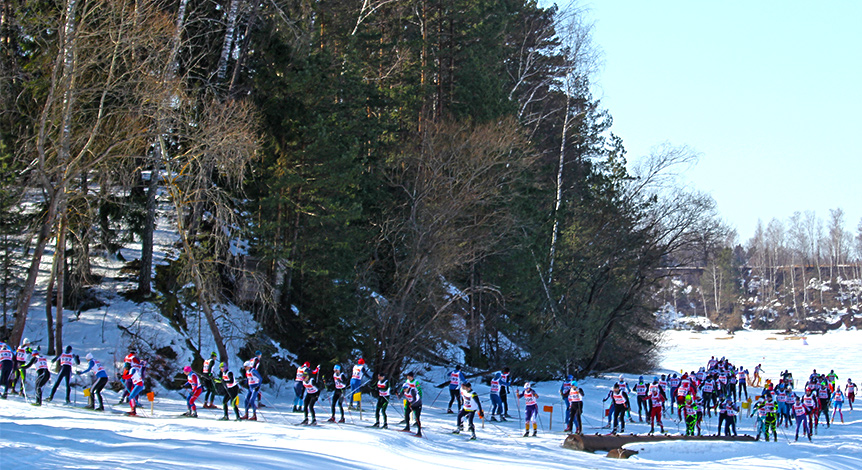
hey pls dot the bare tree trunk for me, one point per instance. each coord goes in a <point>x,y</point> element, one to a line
<point>715,289</point>
<point>49,305</point>
<point>559,194</point>
<point>227,44</point>
<point>793,288</point>
<point>33,272</point>
<point>243,51</point>
<point>60,255</point>
<point>146,272</point>
<point>145,275</point>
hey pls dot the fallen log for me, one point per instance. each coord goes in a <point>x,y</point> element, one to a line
<point>593,443</point>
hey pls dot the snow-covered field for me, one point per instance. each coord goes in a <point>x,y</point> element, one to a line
<point>57,436</point>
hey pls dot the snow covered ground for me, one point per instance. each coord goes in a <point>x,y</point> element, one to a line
<point>57,436</point>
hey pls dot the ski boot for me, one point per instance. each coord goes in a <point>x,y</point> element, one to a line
<point>385,426</point>
<point>304,421</point>
<point>527,433</point>
<point>457,431</point>
<point>568,429</point>
<point>376,425</point>
<point>253,417</point>
<point>450,412</point>
<point>341,420</point>
<point>313,422</point>
<point>503,419</point>
<point>534,432</point>
<point>492,418</point>
<point>101,408</point>
<point>331,420</point>
<point>224,418</point>
<point>473,436</point>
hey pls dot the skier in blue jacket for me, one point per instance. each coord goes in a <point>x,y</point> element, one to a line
<point>456,378</point>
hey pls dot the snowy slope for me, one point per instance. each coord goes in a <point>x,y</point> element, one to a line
<point>55,436</point>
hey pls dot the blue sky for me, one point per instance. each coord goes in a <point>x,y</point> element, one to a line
<point>769,92</point>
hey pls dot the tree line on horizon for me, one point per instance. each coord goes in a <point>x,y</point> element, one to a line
<point>383,176</point>
<point>791,274</point>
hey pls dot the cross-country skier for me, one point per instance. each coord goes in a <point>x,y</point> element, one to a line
<point>193,383</point>
<point>757,370</point>
<point>732,381</point>
<point>359,372</point>
<point>456,378</point>
<point>770,418</point>
<point>134,363</point>
<point>708,390</point>
<point>6,367</point>
<point>22,355</point>
<point>133,375</point>
<point>576,408</point>
<point>832,380</point>
<point>565,387</point>
<point>42,373</point>
<point>414,384</point>
<point>731,411</point>
<point>837,401</point>
<point>382,401</point>
<point>532,408</point>
<point>673,384</point>
<point>470,404</point>
<point>823,398</point>
<point>414,406</point>
<point>252,379</point>
<point>624,387</point>
<point>66,360</point>
<point>656,401</point>
<point>230,382</point>
<point>298,388</point>
<point>641,391</point>
<point>312,393</point>
<point>742,382</point>
<point>801,412</point>
<point>338,394</point>
<point>100,379</point>
<point>504,391</point>
<point>689,413</point>
<point>496,401</point>
<point>850,392</point>
<point>207,376</point>
<point>810,403</point>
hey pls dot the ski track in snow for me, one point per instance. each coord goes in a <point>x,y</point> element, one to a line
<point>57,436</point>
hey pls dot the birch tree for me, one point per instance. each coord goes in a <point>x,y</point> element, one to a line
<point>90,114</point>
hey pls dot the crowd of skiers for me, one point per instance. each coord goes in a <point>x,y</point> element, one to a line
<point>716,388</point>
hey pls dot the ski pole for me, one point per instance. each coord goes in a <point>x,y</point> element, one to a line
<point>438,395</point>
<point>275,409</point>
<point>518,398</point>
